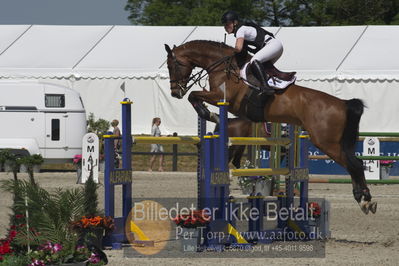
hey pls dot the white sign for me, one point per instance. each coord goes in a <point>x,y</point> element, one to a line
<point>371,147</point>
<point>90,159</point>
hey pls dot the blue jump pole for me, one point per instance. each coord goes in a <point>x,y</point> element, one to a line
<point>215,191</point>
<point>200,164</point>
<point>121,176</point>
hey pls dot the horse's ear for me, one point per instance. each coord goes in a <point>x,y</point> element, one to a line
<point>174,46</point>
<point>167,48</point>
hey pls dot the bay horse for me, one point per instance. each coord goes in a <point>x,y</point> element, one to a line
<point>332,123</point>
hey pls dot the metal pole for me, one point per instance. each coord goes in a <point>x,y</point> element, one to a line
<point>174,151</point>
<point>126,156</point>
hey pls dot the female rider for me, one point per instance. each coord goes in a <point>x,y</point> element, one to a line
<point>266,47</point>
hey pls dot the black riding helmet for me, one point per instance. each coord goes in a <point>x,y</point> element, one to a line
<point>229,16</point>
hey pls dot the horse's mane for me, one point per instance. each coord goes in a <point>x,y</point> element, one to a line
<point>215,48</point>
<point>206,43</point>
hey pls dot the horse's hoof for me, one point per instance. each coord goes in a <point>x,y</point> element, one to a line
<point>364,206</point>
<point>373,207</point>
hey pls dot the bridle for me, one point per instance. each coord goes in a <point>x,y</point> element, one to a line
<point>196,78</point>
<point>183,87</point>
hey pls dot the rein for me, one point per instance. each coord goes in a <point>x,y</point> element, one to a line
<point>196,78</point>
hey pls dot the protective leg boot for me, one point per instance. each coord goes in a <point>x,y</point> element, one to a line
<point>259,73</point>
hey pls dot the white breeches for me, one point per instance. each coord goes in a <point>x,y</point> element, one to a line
<point>270,52</point>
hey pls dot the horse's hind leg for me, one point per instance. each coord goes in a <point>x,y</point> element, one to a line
<point>354,166</point>
<point>235,155</point>
<point>360,190</point>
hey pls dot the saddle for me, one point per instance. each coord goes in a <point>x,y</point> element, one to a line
<point>272,71</point>
<point>276,79</point>
<point>253,103</point>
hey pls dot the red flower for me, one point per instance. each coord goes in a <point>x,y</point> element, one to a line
<point>192,220</point>
<point>314,209</point>
<point>77,158</point>
<point>12,234</point>
<point>19,216</point>
<point>106,223</point>
<point>5,248</point>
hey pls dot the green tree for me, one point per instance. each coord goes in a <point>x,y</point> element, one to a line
<point>265,12</point>
<point>183,13</point>
<point>271,13</point>
<point>342,12</point>
<point>99,126</point>
<point>308,12</point>
<point>364,12</point>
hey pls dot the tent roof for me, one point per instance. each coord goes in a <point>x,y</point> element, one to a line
<point>37,51</point>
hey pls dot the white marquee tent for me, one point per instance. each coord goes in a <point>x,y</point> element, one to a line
<point>352,61</point>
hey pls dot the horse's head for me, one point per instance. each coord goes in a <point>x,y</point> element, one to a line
<point>179,72</point>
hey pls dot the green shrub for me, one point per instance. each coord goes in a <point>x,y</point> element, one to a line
<point>4,155</point>
<point>31,160</point>
<point>36,159</point>
<point>49,213</point>
<point>15,260</point>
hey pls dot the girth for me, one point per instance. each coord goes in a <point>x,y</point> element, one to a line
<point>253,107</point>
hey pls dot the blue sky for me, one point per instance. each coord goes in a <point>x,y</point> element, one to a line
<point>64,12</point>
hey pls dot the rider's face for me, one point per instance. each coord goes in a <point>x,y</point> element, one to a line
<point>229,27</point>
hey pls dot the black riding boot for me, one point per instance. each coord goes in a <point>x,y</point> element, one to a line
<point>259,73</point>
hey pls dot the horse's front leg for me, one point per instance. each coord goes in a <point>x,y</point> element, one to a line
<point>197,99</point>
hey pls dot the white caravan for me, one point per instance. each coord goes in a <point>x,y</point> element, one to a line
<point>41,118</point>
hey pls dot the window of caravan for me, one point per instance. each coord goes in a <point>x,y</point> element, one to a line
<point>54,100</point>
<point>55,129</point>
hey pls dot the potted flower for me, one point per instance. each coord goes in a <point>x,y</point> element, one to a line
<point>9,252</point>
<point>246,184</point>
<point>9,160</point>
<point>50,216</point>
<point>255,184</point>
<point>314,214</point>
<point>12,164</point>
<point>31,164</point>
<point>77,161</point>
<point>57,254</point>
<point>263,185</point>
<point>5,247</point>
<point>23,164</point>
<point>314,210</point>
<point>189,228</point>
<point>93,228</point>
<point>36,161</point>
<point>385,168</point>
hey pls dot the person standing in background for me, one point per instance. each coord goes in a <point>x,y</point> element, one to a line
<point>156,148</point>
<point>117,142</point>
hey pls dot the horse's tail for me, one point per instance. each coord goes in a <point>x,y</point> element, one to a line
<point>354,111</point>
